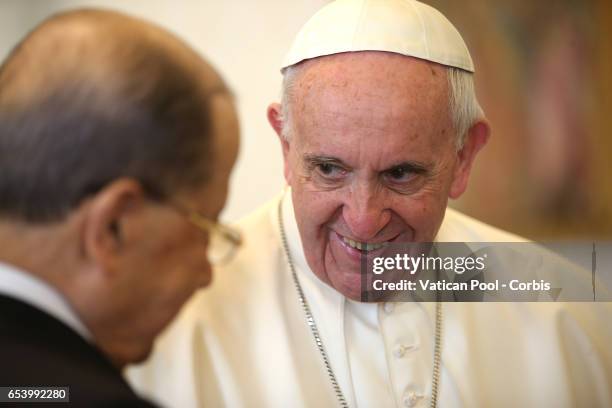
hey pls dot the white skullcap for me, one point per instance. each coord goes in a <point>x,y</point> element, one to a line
<point>405,27</point>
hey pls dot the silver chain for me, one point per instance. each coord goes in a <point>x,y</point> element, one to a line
<point>319,342</point>
<point>435,376</point>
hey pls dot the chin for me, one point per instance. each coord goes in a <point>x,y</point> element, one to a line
<point>134,355</point>
<point>347,283</point>
<point>351,293</point>
<point>142,354</point>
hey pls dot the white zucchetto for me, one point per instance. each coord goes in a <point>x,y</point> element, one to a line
<point>405,27</point>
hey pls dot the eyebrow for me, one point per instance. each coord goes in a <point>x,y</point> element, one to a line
<point>314,159</point>
<point>416,167</point>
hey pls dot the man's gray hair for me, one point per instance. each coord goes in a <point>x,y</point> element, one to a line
<point>464,106</point>
<point>67,130</point>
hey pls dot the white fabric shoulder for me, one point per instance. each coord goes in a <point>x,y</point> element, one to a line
<point>458,227</point>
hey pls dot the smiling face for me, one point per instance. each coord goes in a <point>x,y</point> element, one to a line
<point>371,158</point>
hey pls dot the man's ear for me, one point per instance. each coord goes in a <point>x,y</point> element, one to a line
<point>104,227</point>
<point>276,121</point>
<point>477,136</point>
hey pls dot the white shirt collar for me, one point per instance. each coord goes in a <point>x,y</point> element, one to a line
<point>27,288</point>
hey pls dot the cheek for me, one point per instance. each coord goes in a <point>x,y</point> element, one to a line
<point>183,253</point>
<point>314,209</point>
<point>422,214</point>
<point>181,273</point>
<point>450,174</point>
<point>190,252</point>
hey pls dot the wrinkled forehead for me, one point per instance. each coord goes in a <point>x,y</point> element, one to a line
<point>373,86</point>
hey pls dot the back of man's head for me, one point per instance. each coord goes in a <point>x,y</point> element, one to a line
<point>90,96</point>
<point>114,137</point>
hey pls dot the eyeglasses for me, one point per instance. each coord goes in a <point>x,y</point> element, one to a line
<point>222,239</point>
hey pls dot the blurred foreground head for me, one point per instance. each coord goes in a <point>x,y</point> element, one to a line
<point>113,134</point>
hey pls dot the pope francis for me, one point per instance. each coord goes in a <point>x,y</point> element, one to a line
<point>379,126</point>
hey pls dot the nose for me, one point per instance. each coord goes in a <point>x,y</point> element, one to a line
<point>365,213</point>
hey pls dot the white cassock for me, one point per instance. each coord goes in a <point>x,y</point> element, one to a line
<point>244,342</point>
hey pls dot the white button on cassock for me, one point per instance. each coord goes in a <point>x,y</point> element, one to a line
<point>389,307</point>
<point>411,399</point>
<point>400,350</point>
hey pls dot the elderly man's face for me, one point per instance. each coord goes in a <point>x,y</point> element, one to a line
<point>163,259</point>
<point>371,158</point>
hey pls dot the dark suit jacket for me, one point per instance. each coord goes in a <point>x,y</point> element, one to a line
<point>38,350</point>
